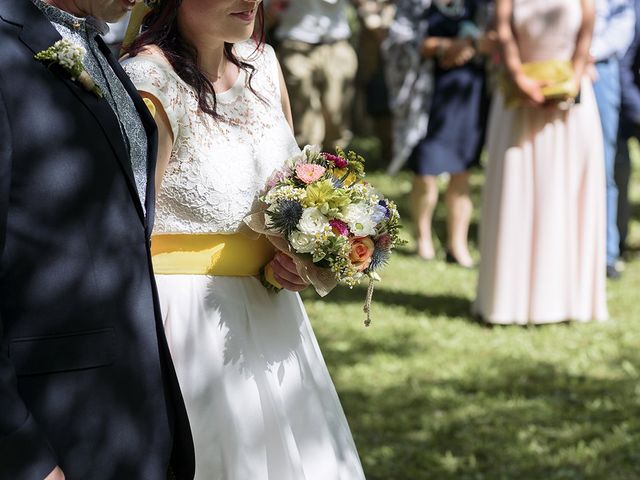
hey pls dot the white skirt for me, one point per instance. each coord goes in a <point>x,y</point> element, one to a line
<point>260,400</point>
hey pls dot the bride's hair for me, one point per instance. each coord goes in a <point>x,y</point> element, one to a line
<point>160,27</point>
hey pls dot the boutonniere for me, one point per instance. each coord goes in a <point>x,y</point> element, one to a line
<point>68,56</point>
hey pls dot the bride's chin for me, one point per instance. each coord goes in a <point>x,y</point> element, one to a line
<point>239,33</point>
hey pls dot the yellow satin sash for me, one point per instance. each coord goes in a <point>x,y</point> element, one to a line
<point>233,255</point>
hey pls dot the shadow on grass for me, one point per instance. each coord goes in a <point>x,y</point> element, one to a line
<point>506,419</point>
<point>414,303</point>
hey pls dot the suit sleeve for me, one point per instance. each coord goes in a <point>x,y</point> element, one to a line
<point>24,452</point>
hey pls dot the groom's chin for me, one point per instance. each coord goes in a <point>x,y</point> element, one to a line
<point>115,10</point>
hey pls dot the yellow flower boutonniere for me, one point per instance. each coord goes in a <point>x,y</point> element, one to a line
<point>69,57</point>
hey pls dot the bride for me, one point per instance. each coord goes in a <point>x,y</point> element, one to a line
<point>257,390</point>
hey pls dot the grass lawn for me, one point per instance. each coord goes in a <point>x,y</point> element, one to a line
<point>431,394</point>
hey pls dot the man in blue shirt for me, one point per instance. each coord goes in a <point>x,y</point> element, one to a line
<point>629,126</point>
<point>613,33</point>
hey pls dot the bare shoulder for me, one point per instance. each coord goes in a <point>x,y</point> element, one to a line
<point>150,52</point>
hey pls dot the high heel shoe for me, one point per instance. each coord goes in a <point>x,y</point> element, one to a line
<point>450,258</point>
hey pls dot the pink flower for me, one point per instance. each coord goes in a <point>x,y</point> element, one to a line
<point>309,172</point>
<point>339,162</point>
<point>339,227</point>
<point>275,178</point>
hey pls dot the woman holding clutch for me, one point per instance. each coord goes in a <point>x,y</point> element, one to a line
<point>542,230</point>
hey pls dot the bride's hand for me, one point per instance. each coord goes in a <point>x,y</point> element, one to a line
<point>285,272</point>
<point>530,90</point>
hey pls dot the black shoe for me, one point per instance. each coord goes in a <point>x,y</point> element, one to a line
<point>450,258</point>
<point>612,272</point>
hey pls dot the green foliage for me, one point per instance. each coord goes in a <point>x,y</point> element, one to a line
<point>431,394</point>
<point>356,161</point>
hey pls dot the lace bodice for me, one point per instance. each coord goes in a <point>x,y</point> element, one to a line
<point>218,167</point>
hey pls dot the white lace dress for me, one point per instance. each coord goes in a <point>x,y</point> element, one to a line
<point>260,399</point>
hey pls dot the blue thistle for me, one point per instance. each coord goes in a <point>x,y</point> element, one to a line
<point>286,216</point>
<point>379,258</point>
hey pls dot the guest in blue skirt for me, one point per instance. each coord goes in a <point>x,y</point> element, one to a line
<point>452,48</point>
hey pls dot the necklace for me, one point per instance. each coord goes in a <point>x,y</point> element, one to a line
<point>214,78</point>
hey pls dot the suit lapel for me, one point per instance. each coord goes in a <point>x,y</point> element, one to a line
<point>149,126</point>
<point>38,34</point>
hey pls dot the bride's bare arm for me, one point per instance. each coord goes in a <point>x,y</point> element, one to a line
<point>284,98</point>
<point>283,267</point>
<point>580,58</point>
<point>530,89</point>
<point>165,138</point>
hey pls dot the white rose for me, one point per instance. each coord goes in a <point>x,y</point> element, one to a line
<point>312,221</point>
<point>360,219</point>
<point>301,242</point>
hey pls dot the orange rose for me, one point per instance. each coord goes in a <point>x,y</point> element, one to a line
<point>361,252</point>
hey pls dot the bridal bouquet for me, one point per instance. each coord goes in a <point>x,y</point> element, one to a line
<point>336,226</point>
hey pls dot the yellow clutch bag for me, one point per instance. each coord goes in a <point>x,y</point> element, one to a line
<point>559,74</point>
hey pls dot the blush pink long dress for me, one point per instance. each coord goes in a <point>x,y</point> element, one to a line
<point>542,233</point>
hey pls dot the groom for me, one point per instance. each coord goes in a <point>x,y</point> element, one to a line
<point>87,387</point>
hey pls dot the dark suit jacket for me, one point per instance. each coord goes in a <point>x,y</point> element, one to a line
<point>630,84</point>
<point>86,381</point>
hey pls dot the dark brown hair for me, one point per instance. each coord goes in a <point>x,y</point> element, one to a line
<point>160,27</point>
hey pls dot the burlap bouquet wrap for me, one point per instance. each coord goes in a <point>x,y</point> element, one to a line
<point>322,279</point>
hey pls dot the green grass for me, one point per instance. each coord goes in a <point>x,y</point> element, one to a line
<point>432,394</point>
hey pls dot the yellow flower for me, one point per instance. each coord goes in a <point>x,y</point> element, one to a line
<point>341,172</point>
<point>150,106</point>
<point>318,193</point>
<point>270,277</point>
<point>325,196</point>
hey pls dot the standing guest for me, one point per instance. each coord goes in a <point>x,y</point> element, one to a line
<point>258,393</point>
<point>629,127</point>
<point>319,66</point>
<point>445,42</point>
<point>613,33</point>
<point>542,233</point>
<point>372,102</point>
<point>87,387</point>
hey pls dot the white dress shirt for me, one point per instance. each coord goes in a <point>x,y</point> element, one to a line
<point>614,28</point>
